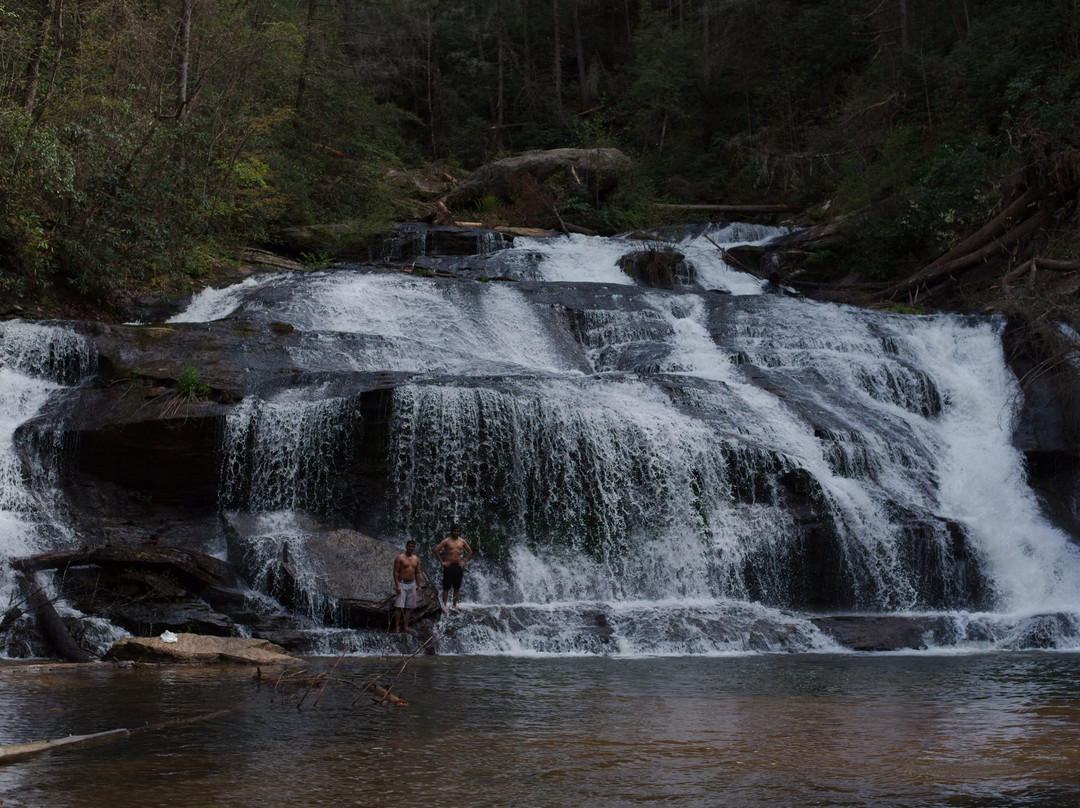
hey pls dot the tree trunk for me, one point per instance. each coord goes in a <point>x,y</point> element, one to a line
<point>305,66</point>
<point>38,109</point>
<point>579,50</point>
<point>905,34</point>
<point>33,66</point>
<point>965,262</point>
<point>979,238</point>
<point>557,59</point>
<point>500,118</point>
<point>183,60</point>
<point>430,81</point>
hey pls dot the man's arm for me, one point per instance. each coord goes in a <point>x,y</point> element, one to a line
<point>397,566</point>
<point>468,553</point>
<point>438,551</point>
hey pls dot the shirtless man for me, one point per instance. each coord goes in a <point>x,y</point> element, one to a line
<point>448,551</point>
<point>406,586</point>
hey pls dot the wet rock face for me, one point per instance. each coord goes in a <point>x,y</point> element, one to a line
<point>1048,427</point>
<point>340,577</point>
<point>882,632</point>
<point>143,461</point>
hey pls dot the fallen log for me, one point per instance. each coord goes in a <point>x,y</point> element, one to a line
<point>926,278</point>
<point>1032,266</point>
<point>52,628</point>
<point>750,209</point>
<point>386,695</point>
<point>192,567</point>
<point>265,258</point>
<point>11,753</point>
<point>984,234</point>
<point>1055,264</point>
<point>20,751</point>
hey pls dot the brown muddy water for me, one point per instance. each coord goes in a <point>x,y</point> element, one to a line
<point>1000,729</point>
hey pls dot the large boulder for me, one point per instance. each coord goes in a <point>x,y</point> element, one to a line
<point>509,178</point>
<point>337,576</point>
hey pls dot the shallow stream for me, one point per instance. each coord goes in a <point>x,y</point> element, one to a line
<point>999,729</point>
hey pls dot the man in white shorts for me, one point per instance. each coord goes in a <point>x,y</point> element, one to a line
<point>407,586</point>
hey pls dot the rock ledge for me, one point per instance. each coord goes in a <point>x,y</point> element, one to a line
<point>198,648</point>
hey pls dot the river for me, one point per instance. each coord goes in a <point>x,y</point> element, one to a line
<point>997,729</point>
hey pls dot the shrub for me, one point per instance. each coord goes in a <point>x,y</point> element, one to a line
<point>189,385</point>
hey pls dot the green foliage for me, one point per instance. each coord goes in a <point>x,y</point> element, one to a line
<point>818,259</point>
<point>593,132</point>
<point>316,261</point>
<point>957,195</point>
<point>487,204</point>
<point>904,308</point>
<point>632,206</point>
<point>889,167</point>
<point>106,185</point>
<point>189,385</point>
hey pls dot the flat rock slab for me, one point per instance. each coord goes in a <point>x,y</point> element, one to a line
<point>199,648</point>
<point>881,632</point>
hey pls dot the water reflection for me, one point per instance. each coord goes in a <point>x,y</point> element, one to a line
<point>988,730</point>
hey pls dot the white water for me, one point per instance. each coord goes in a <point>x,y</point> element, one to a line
<point>595,260</point>
<point>1035,566</point>
<point>33,358</point>
<point>217,304</point>
<point>275,451</point>
<point>624,458</point>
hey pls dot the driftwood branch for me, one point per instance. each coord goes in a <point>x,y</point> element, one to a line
<point>1034,264</point>
<point>20,751</point>
<point>729,259</point>
<point>321,680</point>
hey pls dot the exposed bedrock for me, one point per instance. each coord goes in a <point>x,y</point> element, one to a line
<point>1048,429</point>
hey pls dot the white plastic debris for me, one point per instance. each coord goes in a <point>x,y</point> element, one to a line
<point>168,636</point>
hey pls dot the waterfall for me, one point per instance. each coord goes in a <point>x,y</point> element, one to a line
<point>664,458</point>
<point>36,363</point>
<point>280,453</point>
<point>640,470</point>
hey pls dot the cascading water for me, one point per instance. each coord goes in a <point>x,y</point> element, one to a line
<point>36,363</point>
<point>643,470</point>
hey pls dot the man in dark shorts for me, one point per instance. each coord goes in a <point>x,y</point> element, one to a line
<point>449,551</point>
<point>407,586</point>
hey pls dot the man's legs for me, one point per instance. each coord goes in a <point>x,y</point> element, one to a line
<point>397,620</point>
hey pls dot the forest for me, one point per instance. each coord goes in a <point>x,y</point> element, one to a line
<point>143,141</point>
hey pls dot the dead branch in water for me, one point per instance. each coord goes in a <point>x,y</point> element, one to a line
<point>20,751</point>
<point>303,678</point>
